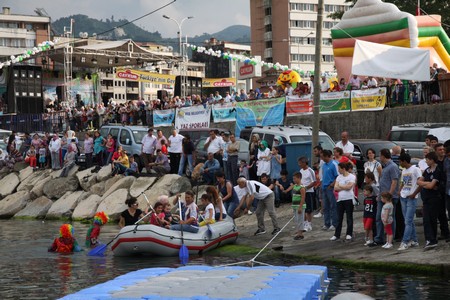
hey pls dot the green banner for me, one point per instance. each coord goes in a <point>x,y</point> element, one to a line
<point>334,102</point>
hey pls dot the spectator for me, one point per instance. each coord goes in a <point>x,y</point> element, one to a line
<point>347,147</point>
<point>324,85</point>
<point>283,188</point>
<point>329,174</point>
<point>149,143</point>
<point>161,164</point>
<point>263,164</point>
<point>213,145</point>
<point>209,168</point>
<point>308,180</point>
<point>175,150</point>
<point>55,151</point>
<point>232,163</point>
<point>228,194</point>
<point>355,83</point>
<point>372,82</point>
<point>88,148</point>
<point>187,156</point>
<point>69,161</point>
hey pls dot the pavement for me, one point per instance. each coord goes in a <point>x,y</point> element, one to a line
<point>317,246</point>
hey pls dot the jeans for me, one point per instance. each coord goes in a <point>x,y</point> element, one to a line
<point>347,207</point>
<point>189,159</point>
<point>230,206</point>
<point>263,204</point>
<point>174,162</point>
<point>55,160</point>
<point>442,217</point>
<point>185,227</point>
<point>225,169</point>
<point>408,210</point>
<point>329,208</point>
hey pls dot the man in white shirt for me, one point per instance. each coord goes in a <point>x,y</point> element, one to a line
<point>346,145</point>
<point>227,97</point>
<point>289,90</point>
<point>175,150</point>
<point>266,201</point>
<point>355,82</point>
<point>213,145</point>
<point>272,92</point>
<point>372,82</point>
<point>324,85</point>
<point>55,147</point>
<point>148,149</point>
<point>308,181</point>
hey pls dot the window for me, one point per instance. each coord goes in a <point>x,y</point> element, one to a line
<point>269,139</point>
<point>303,7</point>
<point>114,132</point>
<point>303,24</point>
<point>125,137</point>
<point>328,58</point>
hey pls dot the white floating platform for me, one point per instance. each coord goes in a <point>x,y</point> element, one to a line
<point>203,282</point>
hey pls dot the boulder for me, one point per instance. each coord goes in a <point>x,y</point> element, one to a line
<point>86,178</point>
<point>122,183</point>
<point>114,204</point>
<point>180,185</point>
<point>98,188</point>
<point>72,172</point>
<point>152,196</point>
<point>64,206</point>
<point>87,207</point>
<point>140,185</point>
<point>28,183</point>
<point>166,181</point>
<point>24,173</point>
<point>104,173</point>
<point>8,184</point>
<point>38,189</point>
<point>20,165</point>
<point>57,187</point>
<point>38,208</point>
<point>111,181</point>
<point>14,203</point>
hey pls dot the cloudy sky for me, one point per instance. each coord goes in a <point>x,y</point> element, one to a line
<point>209,15</point>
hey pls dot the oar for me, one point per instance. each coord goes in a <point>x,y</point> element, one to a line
<point>100,249</point>
<point>184,252</point>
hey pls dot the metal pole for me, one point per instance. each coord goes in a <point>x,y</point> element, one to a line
<point>317,73</point>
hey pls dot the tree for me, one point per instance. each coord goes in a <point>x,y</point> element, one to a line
<point>430,7</point>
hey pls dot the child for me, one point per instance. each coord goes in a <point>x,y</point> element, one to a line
<point>298,204</point>
<point>133,170</point>
<point>164,147</point>
<point>386,217</point>
<point>369,179</point>
<point>168,219</point>
<point>31,154</point>
<point>66,243</point>
<point>208,215</point>
<point>275,164</point>
<point>157,216</point>
<point>283,189</point>
<point>243,169</point>
<point>370,211</point>
<point>42,155</point>
<point>93,232</point>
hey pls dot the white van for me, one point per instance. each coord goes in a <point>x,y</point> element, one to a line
<point>292,134</point>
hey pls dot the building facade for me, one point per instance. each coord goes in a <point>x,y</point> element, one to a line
<point>284,31</point>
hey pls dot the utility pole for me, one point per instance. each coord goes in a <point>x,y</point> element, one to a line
<point>317,73</point>
<point>68,51</point>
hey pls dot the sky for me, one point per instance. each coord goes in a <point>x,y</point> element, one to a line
<point>210,16</point>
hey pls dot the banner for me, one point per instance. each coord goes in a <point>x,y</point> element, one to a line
<point>225,112</point>
<point>369,100</point>
<point>296,105</point>
<point>334,102</point>
<point>259,113</point>
<point>218,82</point>
<point>163,118</point>
<point>144,76</point>
<point>192,117</point>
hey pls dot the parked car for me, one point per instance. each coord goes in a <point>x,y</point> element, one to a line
<point>201,154</point>
<point>359,153</point>
<point>412,136</point>
<point>197,133</point>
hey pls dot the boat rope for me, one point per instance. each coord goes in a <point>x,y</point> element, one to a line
<point>253,261</point>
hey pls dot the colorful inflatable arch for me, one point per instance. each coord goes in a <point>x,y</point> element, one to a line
<point>378,22</point>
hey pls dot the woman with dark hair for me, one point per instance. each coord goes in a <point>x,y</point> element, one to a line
<point>11,143</point>
<point>253,151</point>
<point>229,197</point>
<point>99,146</point>
<point>372,165</point>
<point>131,215</point>
<point>219,208</point>
<point>186,155</point>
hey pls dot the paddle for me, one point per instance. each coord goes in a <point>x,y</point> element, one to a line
<point>100,249</point>
<point>184,252</point>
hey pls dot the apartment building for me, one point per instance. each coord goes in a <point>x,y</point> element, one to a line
<point>284,31</point>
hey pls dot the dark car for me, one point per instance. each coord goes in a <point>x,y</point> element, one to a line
<point>359,153</point>
<point>201,154</point>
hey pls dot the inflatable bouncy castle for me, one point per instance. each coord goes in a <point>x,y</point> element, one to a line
<point>383,23</point>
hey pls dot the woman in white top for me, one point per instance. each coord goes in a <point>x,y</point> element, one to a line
<point>264,158</point>
<point>372,165</point>
<point>219,208</point>
<point>208,214</point>
<point>344,185</point>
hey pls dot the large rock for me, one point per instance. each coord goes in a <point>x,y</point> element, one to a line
<point>38,208</point>
<point>111,181</point>
<point>8,184</point>
<point>87,207</point>
<point>180,185</point>
<point>13,204</point>
<point>65,205</point>
<point>57,187</point>
<point>38,189</point>
<point>104,173</point>
<point>72,172</point>
<point>98,188</point>
<point>114,204</point>
<point>19,166</point>
<point>152,196</point>
<point>166,181</point>
<point>86,178</point>
<point>28,183</point>
<point>23,174</point>
<point>123,183</point>
<point>140,185</point>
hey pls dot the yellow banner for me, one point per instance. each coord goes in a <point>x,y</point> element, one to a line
<point>143,76</point>
<point>370,99</point>
<point>218,82</point>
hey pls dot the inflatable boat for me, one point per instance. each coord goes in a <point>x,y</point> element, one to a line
<point>153,240</point>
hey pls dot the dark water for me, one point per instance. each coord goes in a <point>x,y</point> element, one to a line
<point>28,271</point>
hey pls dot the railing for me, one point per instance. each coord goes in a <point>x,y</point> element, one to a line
<point>34,122</point>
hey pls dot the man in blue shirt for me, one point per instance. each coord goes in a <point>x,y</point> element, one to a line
<point>209,168</point>
<point>329,174</point>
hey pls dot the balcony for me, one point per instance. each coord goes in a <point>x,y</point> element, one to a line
<point>267,52</point>
<point>267,3</point>
<point>267,36</point>
<point>267,20</point>
<point>132,90</point>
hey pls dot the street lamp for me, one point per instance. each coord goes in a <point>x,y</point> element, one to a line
<point>179,24</point>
